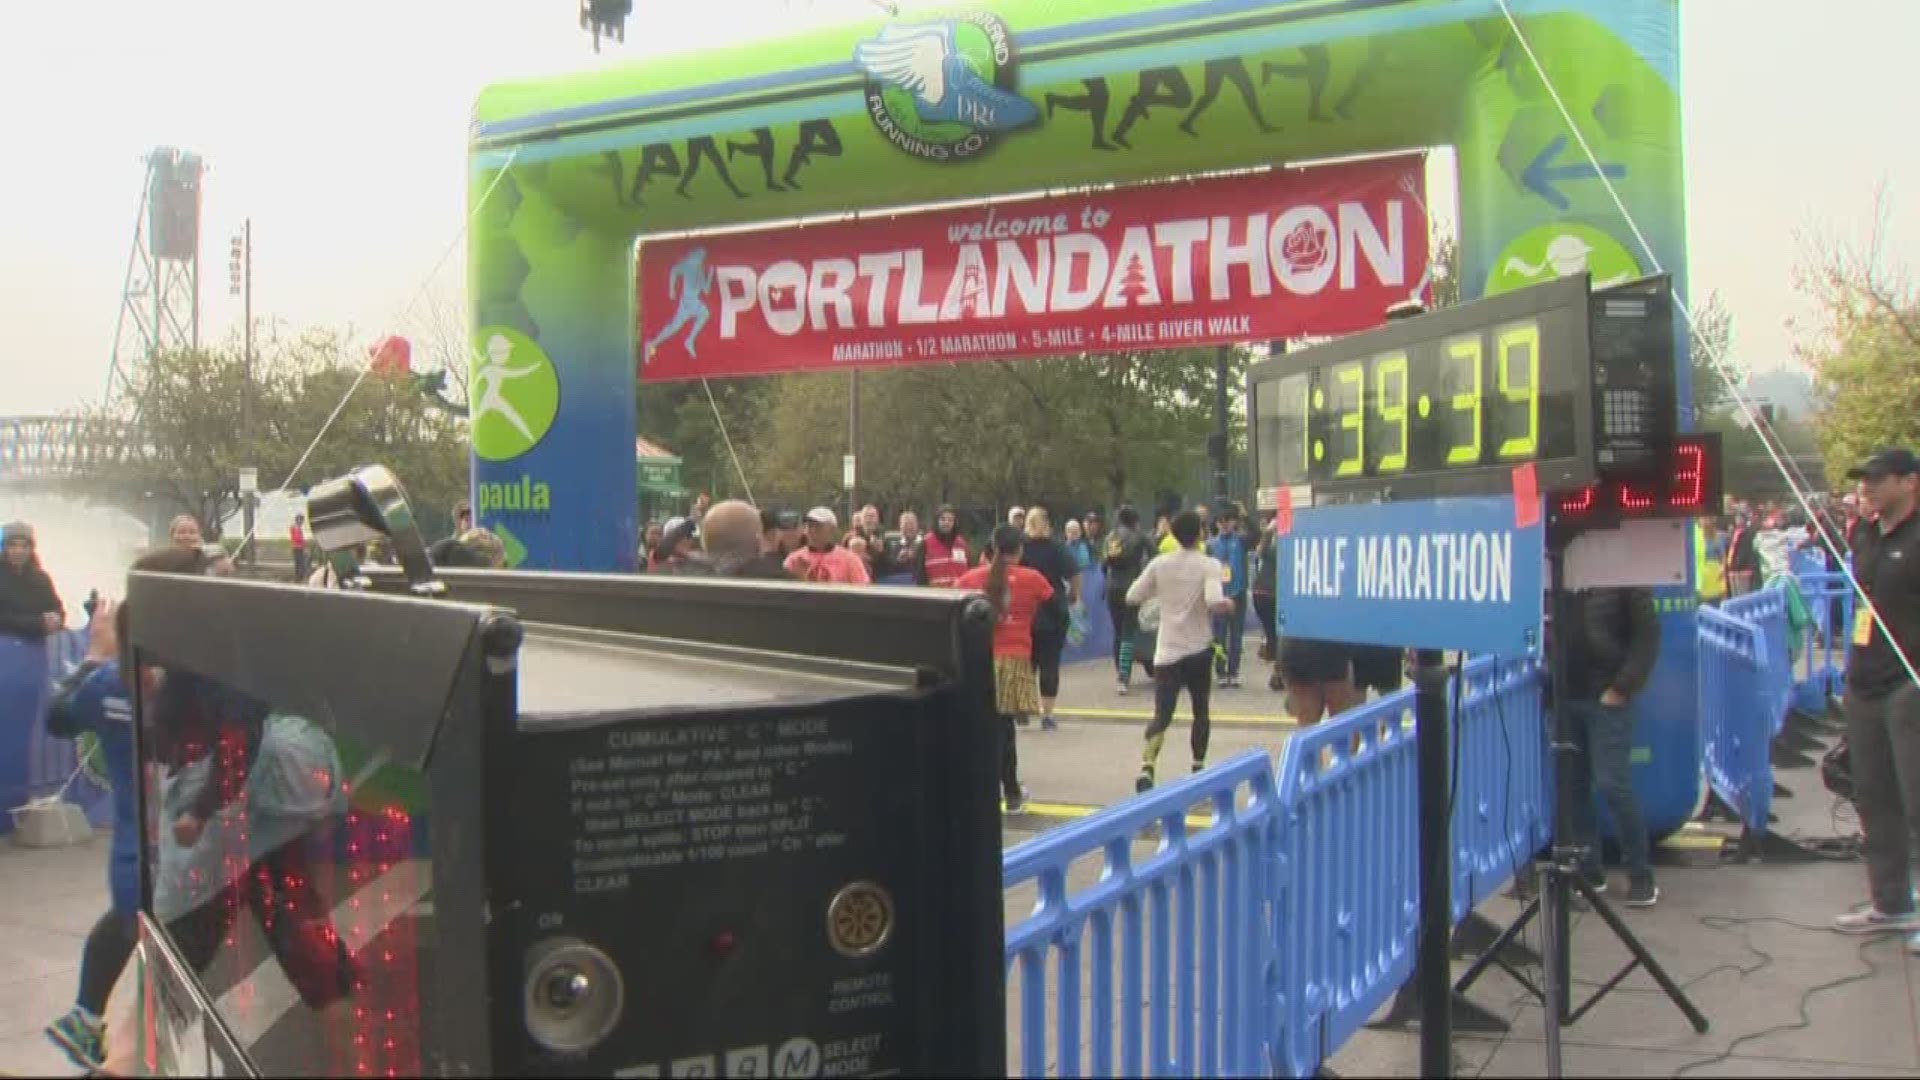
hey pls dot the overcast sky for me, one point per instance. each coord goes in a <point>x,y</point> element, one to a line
<point>340,128</point>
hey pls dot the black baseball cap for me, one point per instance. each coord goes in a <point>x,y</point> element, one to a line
<point>1893,461</point>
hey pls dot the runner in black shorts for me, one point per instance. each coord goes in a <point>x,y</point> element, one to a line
<point>1377,667</point>
<point>1319,677</point>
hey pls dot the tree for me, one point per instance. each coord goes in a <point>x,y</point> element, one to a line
<point>1067,431</point>
<point>193,444</point>
<point>679,416</point>
<point>438,329</point>
<point>1865,350</point>
<point>1709,351</point>
<point>1443,287</point>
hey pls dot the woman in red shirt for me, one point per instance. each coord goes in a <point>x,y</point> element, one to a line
<point>1016,594</point>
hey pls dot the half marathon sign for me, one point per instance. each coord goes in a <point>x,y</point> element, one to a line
<point>1428,574</point>
<point>1211,261</point>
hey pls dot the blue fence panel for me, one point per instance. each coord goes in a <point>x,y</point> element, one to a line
<point>1822,670</point>
<point>57,760</point>
<point>1170,946</point>
<point>1347,904</point>
<point>1259,936</point>
<point>1766,609</point>
<point>1502,800</point>
<point>1735,700</point>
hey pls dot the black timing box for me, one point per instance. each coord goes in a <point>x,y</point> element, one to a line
<point>597,826</point>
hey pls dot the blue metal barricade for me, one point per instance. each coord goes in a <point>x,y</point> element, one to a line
<point>1158,965</point>
<point>1259,935</point>
<point>1502,799</point>
<point>1346,909</point>
<point>1823,665</point>
<point>53,762</point>
<point>1735,713</point>
<point>1766,610</point>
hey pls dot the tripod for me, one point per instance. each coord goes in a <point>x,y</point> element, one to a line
<point>1562,868</point>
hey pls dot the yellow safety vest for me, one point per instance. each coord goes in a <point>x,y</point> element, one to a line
<point>1709,576</point>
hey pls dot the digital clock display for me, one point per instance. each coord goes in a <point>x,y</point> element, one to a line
<point>1444,403</point>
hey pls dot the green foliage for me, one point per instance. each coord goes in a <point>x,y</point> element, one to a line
<point>679,417</point>
<point>1865,353</point>
<point>1749,470</point>
<point>1068,431</point>
<point>1710,340</point>
<point>197,434</point>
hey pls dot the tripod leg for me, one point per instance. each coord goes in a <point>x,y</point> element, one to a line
<point>1553,910</point>
<point>1645,958</point>
<point>1507,936</point>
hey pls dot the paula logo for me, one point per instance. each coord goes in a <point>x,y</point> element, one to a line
<point>513,393</point>
<point>944,90</point>
<point>1561,249</point>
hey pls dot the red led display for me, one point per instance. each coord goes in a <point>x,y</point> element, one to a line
<point>1689,486</point>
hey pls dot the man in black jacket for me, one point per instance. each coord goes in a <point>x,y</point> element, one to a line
<point>1613,640</point>
<point>1882,703</point>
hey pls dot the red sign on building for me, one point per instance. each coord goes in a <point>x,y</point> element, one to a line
<point>1211,261</point>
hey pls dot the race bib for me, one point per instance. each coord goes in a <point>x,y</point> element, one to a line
<point>1862,626</point>
<point>1226,573</point>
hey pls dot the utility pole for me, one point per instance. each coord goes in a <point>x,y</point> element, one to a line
<point>1217,445</point>
<point>853,445</point>
<point>240,281</point>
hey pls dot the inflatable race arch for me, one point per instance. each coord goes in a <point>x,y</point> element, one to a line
<point>980,100</point>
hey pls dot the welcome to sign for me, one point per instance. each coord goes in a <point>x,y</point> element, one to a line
<point>1212,261</point>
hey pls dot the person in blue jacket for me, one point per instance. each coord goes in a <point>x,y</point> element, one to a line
<point>1229,547</point>
<point>94,701</point>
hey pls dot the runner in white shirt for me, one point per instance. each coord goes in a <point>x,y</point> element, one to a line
<point>1185,582</point>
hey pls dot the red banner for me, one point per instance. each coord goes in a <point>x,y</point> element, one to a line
<point>1213,261</point>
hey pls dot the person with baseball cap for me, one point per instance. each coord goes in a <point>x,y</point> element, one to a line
<point>822,559</point>
<point>1882,702</point>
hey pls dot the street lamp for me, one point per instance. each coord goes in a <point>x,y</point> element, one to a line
<point>240,283</point>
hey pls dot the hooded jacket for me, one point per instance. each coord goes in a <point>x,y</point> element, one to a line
<point>26,594</point>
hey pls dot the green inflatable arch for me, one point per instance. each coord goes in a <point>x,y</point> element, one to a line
<point>567,173</point>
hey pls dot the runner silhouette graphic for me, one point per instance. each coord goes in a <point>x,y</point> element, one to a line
<point>688,283</point>
<point>491,376</point>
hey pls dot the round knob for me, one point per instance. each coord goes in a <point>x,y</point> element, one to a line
<point>574,995</point>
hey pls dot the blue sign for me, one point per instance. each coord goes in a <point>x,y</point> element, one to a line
<point>1428,574</point>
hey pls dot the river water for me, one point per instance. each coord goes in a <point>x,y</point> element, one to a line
<point>83,547</point>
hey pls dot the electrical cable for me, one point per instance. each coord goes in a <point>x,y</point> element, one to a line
<point>1805,1020</point>
<point>728,439</point>
<point>1715,358</point>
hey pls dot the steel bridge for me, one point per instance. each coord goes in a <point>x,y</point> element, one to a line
<point>47,452</point>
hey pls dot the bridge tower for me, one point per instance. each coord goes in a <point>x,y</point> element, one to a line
<point>160,301</point>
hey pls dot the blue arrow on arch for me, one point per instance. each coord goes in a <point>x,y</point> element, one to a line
<point>1541,174</point>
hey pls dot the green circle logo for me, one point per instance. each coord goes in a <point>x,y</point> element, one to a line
<point>944,89</point>
<point>1561,249</point>
<point>512,393</point>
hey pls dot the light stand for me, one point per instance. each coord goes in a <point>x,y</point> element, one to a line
<point>1435,967</point>
<point>1562,867</point>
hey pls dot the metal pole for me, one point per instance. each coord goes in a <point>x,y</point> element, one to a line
<point>1219,447</point>
<point>246,370</point>
<point>853,443</point>
<point>1556,903</point>
<point>1434,973</point>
